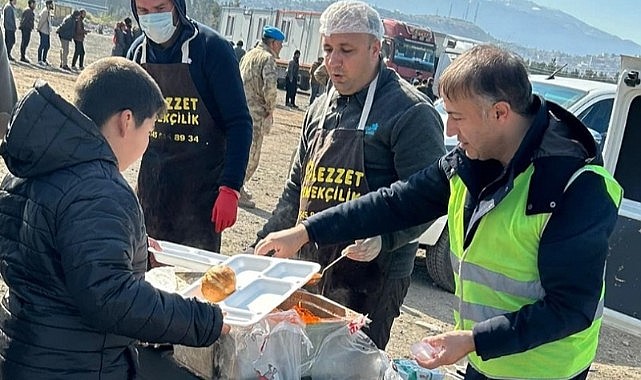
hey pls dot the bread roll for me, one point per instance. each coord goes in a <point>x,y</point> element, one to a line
<point>218,283</point>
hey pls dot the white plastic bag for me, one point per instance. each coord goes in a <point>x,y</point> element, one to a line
<point>271,349</point>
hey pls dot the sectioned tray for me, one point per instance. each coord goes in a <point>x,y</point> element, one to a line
<point>262,283</point>
<point>186,257</point>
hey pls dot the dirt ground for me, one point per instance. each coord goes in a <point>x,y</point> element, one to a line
<point>427,310</point>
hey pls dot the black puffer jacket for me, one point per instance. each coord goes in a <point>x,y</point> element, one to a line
<point>73,253</point>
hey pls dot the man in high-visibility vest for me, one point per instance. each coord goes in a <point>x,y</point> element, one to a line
<point>530,209</point>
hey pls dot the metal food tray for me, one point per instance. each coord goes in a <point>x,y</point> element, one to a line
<point>262,284</point>
<point>186,257</point>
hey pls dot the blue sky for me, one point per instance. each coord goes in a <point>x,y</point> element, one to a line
<point>618,17</point>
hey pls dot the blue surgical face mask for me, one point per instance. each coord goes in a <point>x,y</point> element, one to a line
<point>159,27</point>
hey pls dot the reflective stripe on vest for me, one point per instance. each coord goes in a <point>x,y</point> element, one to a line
<point>492,280</point>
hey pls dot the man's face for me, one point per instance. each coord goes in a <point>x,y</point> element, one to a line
<point>472,122</point>
<point>277,46</point>
<point>32,6</point>
<point>350,58</point>
<point>144,7</point>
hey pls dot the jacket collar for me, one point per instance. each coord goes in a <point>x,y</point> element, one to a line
<point>556,143</point>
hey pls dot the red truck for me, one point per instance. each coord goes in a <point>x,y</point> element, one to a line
<point>409,49</point>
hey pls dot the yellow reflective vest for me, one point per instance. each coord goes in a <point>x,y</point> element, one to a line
<point>497,273</point>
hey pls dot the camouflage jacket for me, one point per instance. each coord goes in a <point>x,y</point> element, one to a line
<point>258,70</point>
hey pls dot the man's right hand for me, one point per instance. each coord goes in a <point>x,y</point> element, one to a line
<point>284,243</point>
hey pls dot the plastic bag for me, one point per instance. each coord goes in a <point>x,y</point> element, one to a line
<point>346,355</point>
<point>268,350</point>
<point>410,370</point>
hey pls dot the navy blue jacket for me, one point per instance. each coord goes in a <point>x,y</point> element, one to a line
<point>73,253</point>
<point>573,246</point>
<point>215,72</point>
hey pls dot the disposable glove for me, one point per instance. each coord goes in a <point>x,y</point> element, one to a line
<point>223,214</point>
<point>364,250</point>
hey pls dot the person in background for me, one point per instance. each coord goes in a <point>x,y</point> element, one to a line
<point>291,80</point>
<point>322,77</point>
<point>27,22</point>
<point>258,71</point>
<point>239,51</point>
<point>190,177</point>
<point>79,35</point>
<point>130,33</point>
<point>370,129</point>
<point>8,95</point>
<point>530,209</point>
<point>315,84</point>
<point>65,33</point>
<point>119,40</point>
<point>44,30</point>
<point>427,87</point>
<point>10,26</point>
<point>77,299</point>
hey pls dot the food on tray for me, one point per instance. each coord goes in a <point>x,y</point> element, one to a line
<point>306,315</point>
<point>218,283</point>
<point>316,277</point>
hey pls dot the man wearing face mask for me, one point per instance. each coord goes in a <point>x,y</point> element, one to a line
<point>191,174</point>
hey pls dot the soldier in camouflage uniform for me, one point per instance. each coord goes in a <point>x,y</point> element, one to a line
<point>258,70</point>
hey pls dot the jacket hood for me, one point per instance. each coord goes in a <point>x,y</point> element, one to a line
<point>567,136</point>
<point>181,7</point>
<point>47,133</point>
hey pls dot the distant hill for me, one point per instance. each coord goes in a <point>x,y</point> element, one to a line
<point>520,22</point>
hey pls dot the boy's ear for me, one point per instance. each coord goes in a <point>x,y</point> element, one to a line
<point>126,122</point>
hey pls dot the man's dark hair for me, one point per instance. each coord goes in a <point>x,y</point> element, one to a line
<point>127,21</point>
<point>114,84</point>
<point>31,2</point>
<point>490,73</point>
<point>239,43</point>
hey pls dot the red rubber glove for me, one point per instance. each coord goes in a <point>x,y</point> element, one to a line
<point>223,214</point>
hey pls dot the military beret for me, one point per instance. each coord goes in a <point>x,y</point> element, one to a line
<point>273,32</point>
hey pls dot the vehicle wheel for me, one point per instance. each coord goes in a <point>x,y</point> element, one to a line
<point>437,260</point>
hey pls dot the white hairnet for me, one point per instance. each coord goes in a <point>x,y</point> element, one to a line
<point>350,16</point>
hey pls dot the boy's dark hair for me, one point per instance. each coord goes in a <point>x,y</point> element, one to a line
<point>114,84</point>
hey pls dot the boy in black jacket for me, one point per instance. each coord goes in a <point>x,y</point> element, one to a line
<point>72,238</point>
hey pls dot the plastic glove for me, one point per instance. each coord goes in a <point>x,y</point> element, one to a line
<point>364,250</point>
<point>223,214</point>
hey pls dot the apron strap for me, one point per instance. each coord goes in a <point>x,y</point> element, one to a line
<point>369,100</point>
<point>184,49</point>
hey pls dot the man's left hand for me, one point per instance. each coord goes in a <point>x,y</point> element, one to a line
<point>364,250</point>
<point>451,347</point>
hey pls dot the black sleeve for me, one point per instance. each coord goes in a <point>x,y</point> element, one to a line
<point>572,256</point>
<point>96,244</point>
<point>226,86</point>
<point>421,198</point>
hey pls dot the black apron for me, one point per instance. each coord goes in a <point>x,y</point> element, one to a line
<point>179,172</point>
<point>333,173</point>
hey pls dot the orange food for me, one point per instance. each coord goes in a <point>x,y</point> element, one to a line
<point>316,277</point>
<point>307,316</point>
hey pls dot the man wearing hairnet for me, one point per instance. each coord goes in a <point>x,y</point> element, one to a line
<point>369,129</point>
